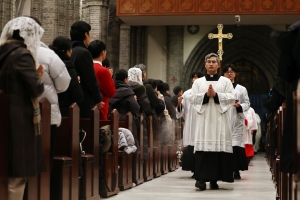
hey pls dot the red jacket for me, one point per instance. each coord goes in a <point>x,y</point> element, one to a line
<point>107,87</point>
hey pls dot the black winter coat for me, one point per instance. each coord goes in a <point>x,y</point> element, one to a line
<point>83,62</point>
<point>169,106</point>
<point>19,80</point>
<point>72,94</point>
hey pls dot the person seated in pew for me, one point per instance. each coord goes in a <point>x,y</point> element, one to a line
<point>21,81</point>
<point>62,46</point>
<point>125,100</point>
<point>135,81</point>
<point>107,86</point>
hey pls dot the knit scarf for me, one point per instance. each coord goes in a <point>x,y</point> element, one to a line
<point>37,120</point>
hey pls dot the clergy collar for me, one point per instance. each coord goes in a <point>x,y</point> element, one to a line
<point>214,77</point>
<point>234,84</point>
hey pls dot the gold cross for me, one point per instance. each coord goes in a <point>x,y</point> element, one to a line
<point>220,37</point>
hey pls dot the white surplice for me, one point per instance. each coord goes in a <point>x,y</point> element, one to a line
<point>189,115</point>
<point>212,128</point>
<point>237,119</point>
<point>251,125</point>
<point>258,133</point>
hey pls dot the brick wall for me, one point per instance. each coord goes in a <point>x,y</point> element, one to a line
<point>7,12</point>
<point>124,57</point>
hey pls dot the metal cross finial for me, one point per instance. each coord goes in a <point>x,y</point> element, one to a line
<point>220,37</point>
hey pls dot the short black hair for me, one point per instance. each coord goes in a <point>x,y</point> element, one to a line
<point>121,74</point>
<point>198,74</point>
<point>96,47</point>
<point>78,30</point>
<point>177,89</point>
<point>60,46</point>
<point>105,63</point>
<point>163,87</point>
<point>227,66</point>
<point>152,82</point>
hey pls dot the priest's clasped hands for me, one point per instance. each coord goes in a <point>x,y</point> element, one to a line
<point>210,92</point>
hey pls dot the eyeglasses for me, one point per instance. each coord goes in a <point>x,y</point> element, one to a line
<point>231,72</point>
<point>211,61</point>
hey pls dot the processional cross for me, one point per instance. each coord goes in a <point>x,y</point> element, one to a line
<point>220,37</point>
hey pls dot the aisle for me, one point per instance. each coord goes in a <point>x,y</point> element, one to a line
<point>256,183</point>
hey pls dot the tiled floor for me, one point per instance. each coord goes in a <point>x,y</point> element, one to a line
<point>256,183</point>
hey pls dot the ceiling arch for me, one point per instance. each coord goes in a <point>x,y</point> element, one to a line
<point>250,43</point>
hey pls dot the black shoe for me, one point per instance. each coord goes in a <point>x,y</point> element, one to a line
<point>214,185</point>
<point>236,175</point>
<point>201,185</point>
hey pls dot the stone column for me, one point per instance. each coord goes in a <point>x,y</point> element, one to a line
<point>113,36</point>
<point>96,14</point>
<point>124,57</point>
<point>7,12</point>
<point>174,55</point>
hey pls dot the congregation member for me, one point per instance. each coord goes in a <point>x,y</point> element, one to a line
<point>56,80</point>
<point>213,96</point>
<point>83,62</point>
<point>20,79</point>
<point>237,117</point>
<point>135,81</point>
<point>103,75</point>
<point>177,93</point>
<point>62,46</point>
<point>189,116</point>
<point>125,100</point>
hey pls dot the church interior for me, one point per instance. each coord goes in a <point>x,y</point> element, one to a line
<point>170,37</point>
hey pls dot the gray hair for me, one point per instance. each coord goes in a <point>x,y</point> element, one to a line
<point>141,67</point>
<point>212,55</point>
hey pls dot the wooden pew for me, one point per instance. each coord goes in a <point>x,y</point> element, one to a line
<point>110,159</point>
<point>38,186</point>
<point>296,158</point>
<point>137,158</point>
<point>90,160</point>
<point>156,155</point>
<point>148,164</point>
<point>4,124</point>
<point>65,172</point>
<point>125,160</point>
<point>163,153</point>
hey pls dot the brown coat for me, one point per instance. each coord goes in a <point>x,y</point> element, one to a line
<point>19,79</point>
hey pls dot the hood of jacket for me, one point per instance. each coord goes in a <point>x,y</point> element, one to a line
<point>122,90</point>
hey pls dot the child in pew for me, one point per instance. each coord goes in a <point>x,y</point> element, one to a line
<point>22,83</point>
<point>62,46</point>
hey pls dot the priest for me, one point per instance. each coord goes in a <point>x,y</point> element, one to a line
<point>213,96</point>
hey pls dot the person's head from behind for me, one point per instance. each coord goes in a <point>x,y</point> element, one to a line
<point>135,75</point>
<point>229,71</point>
<point>106,63</point>
<point>121,75</point>
<point>23,29</point>
<point>178,91</point>
<point>80,31</point>
<point>153,83</point>
<point>62,46</point>
<point>164,88</point>
<point>143,68</point>
<point>195,75</point>
<point>212,63</point>
<point>98,50</point>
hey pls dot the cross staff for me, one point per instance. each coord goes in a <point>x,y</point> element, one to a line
<point>220,37</point>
